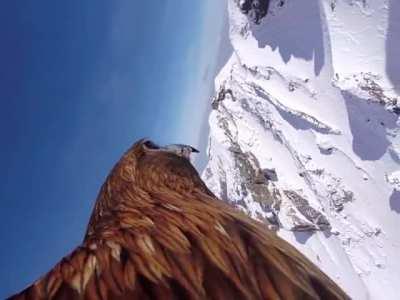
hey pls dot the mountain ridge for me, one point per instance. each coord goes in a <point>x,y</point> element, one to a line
<point>304,135</point>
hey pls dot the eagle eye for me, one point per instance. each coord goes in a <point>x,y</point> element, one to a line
<point>151,145</point>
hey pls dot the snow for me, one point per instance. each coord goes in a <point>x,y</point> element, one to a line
<point>309,94</point>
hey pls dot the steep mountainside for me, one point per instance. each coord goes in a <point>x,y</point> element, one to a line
<point>304,132</point>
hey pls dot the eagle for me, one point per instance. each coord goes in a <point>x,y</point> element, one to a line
<point>158,232</point>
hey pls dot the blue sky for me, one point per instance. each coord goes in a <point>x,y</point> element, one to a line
<point>80,81</point>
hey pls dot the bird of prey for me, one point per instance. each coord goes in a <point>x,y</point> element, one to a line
<point>157,232</point>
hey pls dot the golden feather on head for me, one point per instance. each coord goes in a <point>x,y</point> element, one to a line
<point>157,232</point>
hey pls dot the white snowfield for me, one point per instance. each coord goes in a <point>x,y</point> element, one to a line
<point>304,134</point>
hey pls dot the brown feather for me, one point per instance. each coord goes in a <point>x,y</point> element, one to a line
<point>157,232</point>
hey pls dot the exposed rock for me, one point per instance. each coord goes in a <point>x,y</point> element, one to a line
<point>255,9</point>
<point>394,180</point>
<point>270,174</point>
<point>310,213</point>
<point>220,97</point>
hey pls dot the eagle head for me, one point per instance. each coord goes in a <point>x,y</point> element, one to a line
<point>150,167</point>
<point>178,149</point>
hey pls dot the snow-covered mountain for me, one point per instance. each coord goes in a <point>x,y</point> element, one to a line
<point>304,132</point>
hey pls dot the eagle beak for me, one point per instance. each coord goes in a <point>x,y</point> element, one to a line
<point>194,150</point>
<point>181,150</point>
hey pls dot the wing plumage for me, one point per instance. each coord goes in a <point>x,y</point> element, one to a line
<point>157,232</point>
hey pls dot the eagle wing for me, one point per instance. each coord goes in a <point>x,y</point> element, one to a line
<point>175,240</point>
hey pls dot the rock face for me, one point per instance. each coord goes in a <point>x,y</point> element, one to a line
<point>255,9</point>
<point>304,132</point>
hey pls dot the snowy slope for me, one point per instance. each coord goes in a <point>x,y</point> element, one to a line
<point>304,133</point>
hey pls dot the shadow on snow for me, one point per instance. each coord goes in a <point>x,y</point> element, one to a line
<point>393,45</point>
<point>292,36</point>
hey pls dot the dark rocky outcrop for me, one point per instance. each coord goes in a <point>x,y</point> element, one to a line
<point>255,9</point>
